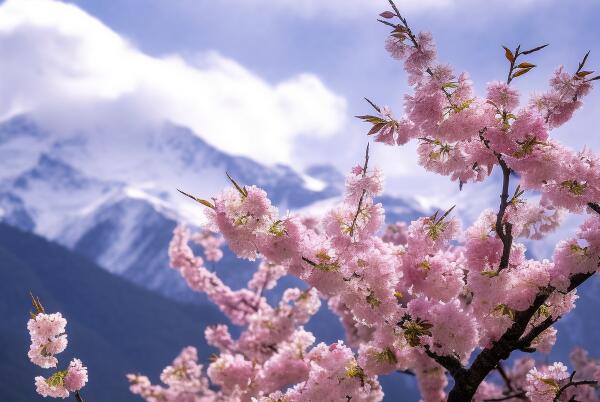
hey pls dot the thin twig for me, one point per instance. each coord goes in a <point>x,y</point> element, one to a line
<point>504,376</point>
<point>572,383</point>
<point>362,196</point>
<point>512,65</point>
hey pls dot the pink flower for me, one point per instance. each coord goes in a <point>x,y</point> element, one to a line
<point>231,372</point>
<point>76,376</point>
<point>503,96</point>
<point>54,391</point>
<point>543,385</point>
<point>47,338</point>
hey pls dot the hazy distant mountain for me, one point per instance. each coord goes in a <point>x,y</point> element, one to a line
<point>119,206</point>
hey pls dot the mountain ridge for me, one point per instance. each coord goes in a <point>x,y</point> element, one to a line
<point>120,211</point>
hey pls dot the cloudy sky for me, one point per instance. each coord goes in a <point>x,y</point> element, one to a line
<point>275,80</point>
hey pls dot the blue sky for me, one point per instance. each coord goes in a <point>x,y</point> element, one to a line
<point>326,55</point>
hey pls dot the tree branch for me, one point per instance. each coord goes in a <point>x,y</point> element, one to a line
<point>525,342</point>
<point>454,367</point>
<point>594,206</point>
<point>362,196</point>
<point>504,230</point>
<point>467,382</point>
<point>572,383</point>
<point>504,376</point>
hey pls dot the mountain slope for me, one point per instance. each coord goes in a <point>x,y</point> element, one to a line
<point>114,326</point>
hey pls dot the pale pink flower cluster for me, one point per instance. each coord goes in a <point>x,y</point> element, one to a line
<point>563,99</point>
<point>533,221</point>
<point>578,255</point>
<point>211,245</point>
<point>183,381</point>
<point>502,96</point>
<point>461,135</point>
<point>543,384</point>
<point>48,338</point>
<point>396,233</point>
<point>235,304</point>
<point>416,289</point>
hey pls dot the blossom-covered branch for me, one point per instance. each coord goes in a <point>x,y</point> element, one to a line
<point>48,339</point>
<point>428,298</point>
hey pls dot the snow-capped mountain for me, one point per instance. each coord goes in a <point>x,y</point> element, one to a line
<point>118,204</point>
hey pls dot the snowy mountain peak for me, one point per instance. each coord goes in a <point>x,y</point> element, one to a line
<point>115,201</point>
<point>19,125</point>
<point>52,170</point>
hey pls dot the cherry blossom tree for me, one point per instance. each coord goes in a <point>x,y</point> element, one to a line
<point>429,299</point>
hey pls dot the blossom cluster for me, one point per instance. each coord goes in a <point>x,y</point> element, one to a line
<point>464,136</point>
<point>48,339</point>
<point>412,292</point>
<point>546,382</point>
<point>426,297</point>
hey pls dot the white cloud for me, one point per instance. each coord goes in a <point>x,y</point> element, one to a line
<point>345,8</point>
<point>334,9</point>
<point>71,69</point>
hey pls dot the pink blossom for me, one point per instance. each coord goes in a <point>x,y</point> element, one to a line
<point>231,372</point>
<point>504,97</point>
<point>211,244</point>
<point>219,337</point>
<point>417,291</point>
<point>76,376</point>
<point>54,391</point>
<point>48,338</point>
<point>543,385</point>
<point>396,233</point>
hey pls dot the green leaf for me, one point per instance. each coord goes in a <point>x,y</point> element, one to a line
<point>370,102</point>
<point>526,65</point>
<point>582,74</point>
<point>451,84</point>
<point>376,128</point>
<point>508,54</point>
<point>372,300</point>
<point>57,379</point>
<point>241,190</point>
<point>387,356</point>
<point>535,49</point>
<point>277,229</point>
<point>522,72</point>
<point>372,119</point>
<point>199,200</point>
